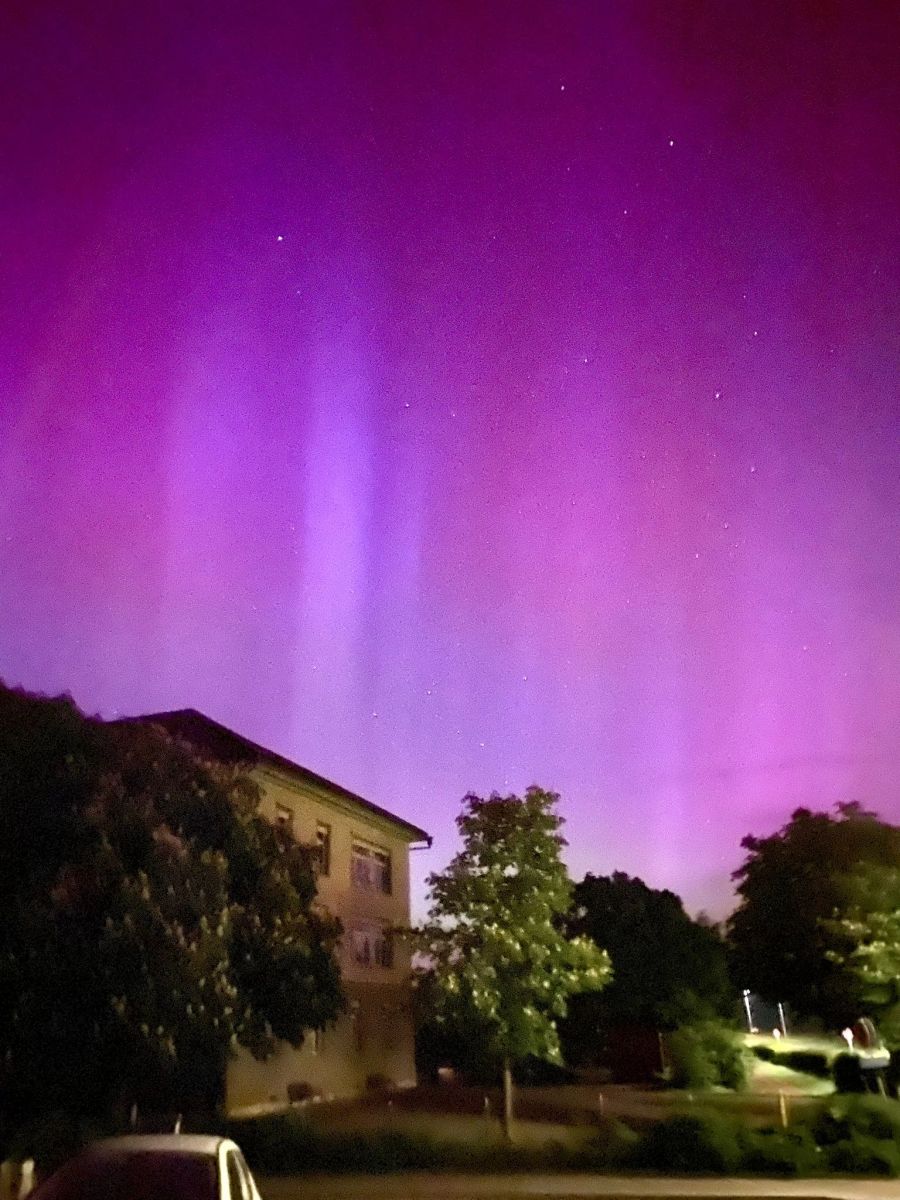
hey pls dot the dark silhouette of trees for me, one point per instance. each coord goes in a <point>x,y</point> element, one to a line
<point>150,918</point>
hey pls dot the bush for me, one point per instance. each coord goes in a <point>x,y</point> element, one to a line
<point>538,1072</point>
<point>847,1073</point>
<point>854,1117</point>
<point>766,1053</point>
<point>808,1061</point>
<point>864,1156</point>
<point>705,1056</point>
<point>612,1146</point>
<point>781,1152</point>
<point>51,1140</point>
<point>689,1144</point>
<point>892,1074</point>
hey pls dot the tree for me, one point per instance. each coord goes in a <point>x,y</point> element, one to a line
<point>150,918</point>
<point>867,942</point>
<point>494,938</point>
<point>791,886</point>
<point>668,970</point>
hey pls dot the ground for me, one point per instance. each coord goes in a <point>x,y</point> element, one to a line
<point>568,1187</point>
<point>568,1113</point>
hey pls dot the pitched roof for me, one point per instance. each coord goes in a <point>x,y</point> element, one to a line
<point>226,746</point>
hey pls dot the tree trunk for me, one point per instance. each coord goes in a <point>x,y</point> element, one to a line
<point>507,1100</point>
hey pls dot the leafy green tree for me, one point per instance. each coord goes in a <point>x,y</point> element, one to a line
<point>792,885</point>
<point>867,942</point>
<point>668,970</point>
<point>494,938</point>
<point>150,919</point>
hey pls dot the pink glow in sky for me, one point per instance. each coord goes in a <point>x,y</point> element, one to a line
<point>458,396</point>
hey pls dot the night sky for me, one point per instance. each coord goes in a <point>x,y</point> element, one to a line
<point>459,396</point>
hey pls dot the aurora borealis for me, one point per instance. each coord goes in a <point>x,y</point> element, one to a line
<point>457,396</point>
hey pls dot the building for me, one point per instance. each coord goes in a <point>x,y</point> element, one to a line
<point>363,878</point>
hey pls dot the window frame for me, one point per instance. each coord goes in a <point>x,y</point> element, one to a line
<point>378,941</point>
<point>370,878</point>
<point>323,849</point>
<point>284,817</point>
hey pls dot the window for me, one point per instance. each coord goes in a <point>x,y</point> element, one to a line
<point>372,945</point>
<point>323,849</point>
<point>284,817</point>
<point>370,868</point>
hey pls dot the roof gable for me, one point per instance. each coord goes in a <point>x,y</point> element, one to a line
<point>224,745</point>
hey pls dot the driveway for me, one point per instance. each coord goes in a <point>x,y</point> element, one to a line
<point>507,1187</point>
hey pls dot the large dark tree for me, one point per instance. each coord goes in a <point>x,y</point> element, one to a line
<point>668,970</point>
<point>150,919</point>
<point>787,939</point>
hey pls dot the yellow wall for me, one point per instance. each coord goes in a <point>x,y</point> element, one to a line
<point>375,1035</point>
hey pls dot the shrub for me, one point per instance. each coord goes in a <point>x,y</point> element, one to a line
<point>847,1072</point>
<point>858,1116</point>
<point>280,1144</point>
<point>766,1053</point>
<point>51,1140</point>
<point>864,1156</point>
<point>689,1144</point>
<point>706,1055</point>
<point>892,1074</point>
<point>808,1061</point>
<point>539,1072</point>
<point>781,1152</point>
<point>612,1146</point>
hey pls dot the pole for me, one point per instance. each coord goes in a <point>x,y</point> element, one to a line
<point>746,998</point>
<point>507,1100</point>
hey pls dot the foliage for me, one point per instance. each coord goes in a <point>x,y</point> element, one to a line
<point>864,1156</point>
<point>810,1062</point>
<point>499,957</point>
<point>54,1137</point>
<point>847,1073</point>
<point>867,940</point>
<point>708,1054</point>
<point>860,1134</point>
<point>151,918</point>
<point>852,1136</point>
<point>781,1152</point>
<point>668,970</point>
<point>493,940</point>
<point>847,1117</point>
<point>450,1034</point>
<point>290,1144</point>
<point>689,1144</point>
<point>785,943</point>
<point>764,1053</point>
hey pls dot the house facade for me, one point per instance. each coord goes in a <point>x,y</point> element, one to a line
<point>363,879</point>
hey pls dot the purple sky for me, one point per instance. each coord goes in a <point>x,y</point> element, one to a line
<point>455,396</point>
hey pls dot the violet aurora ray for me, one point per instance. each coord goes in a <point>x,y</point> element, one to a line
<point>455,396</point>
